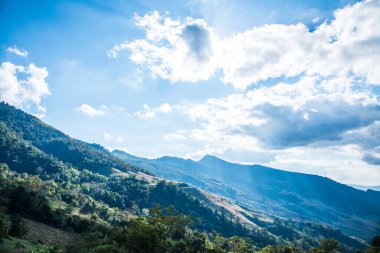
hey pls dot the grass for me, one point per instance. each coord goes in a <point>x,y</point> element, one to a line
<point>15,245</point>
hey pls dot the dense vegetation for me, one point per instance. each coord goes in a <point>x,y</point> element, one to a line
<point>59,145</point>
<point>100,228</point>
<point>103,204</point>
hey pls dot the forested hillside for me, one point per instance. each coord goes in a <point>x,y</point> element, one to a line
<point>103,204</point>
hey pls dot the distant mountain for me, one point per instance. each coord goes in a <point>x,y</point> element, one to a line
<point>283,193</point>
<point>365,188</point>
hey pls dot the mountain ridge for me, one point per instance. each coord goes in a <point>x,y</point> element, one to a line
<point>279,192</point>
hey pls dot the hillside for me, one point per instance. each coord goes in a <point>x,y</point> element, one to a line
<point>277,192</point>
<point>53,142</point>
<point>50,178</point>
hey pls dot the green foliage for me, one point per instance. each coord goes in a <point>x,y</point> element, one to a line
<point>144,237</point>
<point>280,249</point>
<point>239,245</point>
<point>5,225</point>
<point>328,246</point>
<point>16,245</point>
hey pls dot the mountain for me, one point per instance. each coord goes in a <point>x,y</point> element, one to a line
<point>277,192</point>
<point>365,188</point>
<point>81,190</point>
<point>57,144</point>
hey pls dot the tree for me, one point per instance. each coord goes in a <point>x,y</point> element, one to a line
<point>156,233</point>
<point>327,246</point>
<point>239,245</point>
<point>330,245</point>
<point>169,221</point>
<point>278,249</point>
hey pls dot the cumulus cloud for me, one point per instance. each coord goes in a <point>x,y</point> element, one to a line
<point>18,52</point>
<point>190,50</point>
<point>285,115</point>
<point>149,113</point>
<point>348,44</point>
<point>90,111</point>
<point>23,86</point>
<point>173,50</point>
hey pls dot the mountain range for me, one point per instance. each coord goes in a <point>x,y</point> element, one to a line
<point>277,192</point>
<point>73,186</point>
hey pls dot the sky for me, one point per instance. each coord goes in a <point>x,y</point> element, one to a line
<point>289,84</point>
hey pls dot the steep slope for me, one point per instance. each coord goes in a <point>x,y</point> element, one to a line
<point>283,193</point>
<point>53,142</point>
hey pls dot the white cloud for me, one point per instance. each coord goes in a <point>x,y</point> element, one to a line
<point>173,50</point>
<point>349,44</point>
<point>90,111</point>
<point>23,86</point>
<point>18,52</point>
<point>325,127</point>
<point>298,114</point>
<point>149,113</point>
<point>190,51</point>
<point>262,53</point>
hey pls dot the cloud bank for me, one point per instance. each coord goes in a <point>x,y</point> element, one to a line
<point>190,50</point>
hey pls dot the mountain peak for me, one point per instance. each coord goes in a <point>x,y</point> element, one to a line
<point>211,158</point>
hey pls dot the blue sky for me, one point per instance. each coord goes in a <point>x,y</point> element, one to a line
<point>288,84</point>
